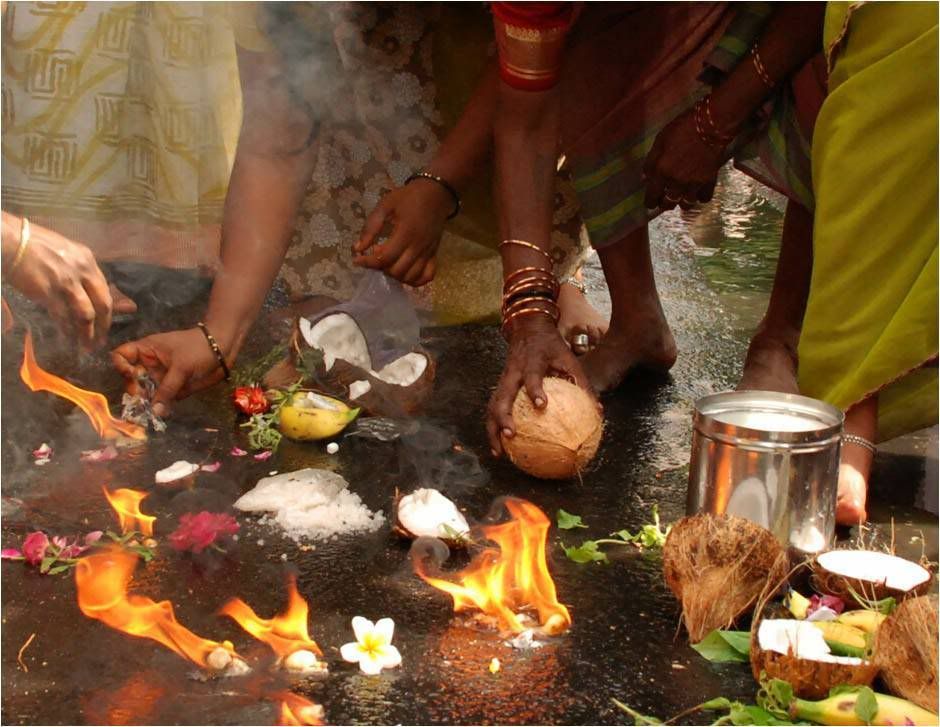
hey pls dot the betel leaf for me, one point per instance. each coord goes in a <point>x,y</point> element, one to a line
<point>866,705</point>
<point>724,646</point>
<point>568,521</point>
<point>587,552</point>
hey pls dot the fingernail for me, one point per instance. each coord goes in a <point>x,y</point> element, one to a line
<point>507,432</point>
<point>539,402</point>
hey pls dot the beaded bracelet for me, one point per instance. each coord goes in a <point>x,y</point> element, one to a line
<point>444,183</point>
<point>761,70</point>
<point>216,349</point>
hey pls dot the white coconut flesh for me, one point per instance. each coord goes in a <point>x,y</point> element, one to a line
<point>800,639</point>
<point>358,389</point>
<point>428,513</point>
<point>338,336</point>
<point>874,567</point>
<point>314,401</point>
<point>176,471</point>
<point>404,371</point>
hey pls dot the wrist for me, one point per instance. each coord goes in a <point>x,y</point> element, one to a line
<point>428,178</point>
<point>228,335</point>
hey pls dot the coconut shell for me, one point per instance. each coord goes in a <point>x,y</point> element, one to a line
<point>718,566</point>
<point>834,584</point>
<point>906,651</point>
<point>809,679</point>
<point>559,441</point>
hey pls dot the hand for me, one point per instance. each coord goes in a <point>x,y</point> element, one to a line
<point>536,350</point>
<point>63,277</point>
<point>681,168</point>
<point>181,363</point>
<point>417,213</point>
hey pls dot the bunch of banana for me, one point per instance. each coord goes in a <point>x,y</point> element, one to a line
<point>840,710</point>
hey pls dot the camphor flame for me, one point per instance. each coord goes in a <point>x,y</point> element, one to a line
<point>102,580</point>
<point>285,633</point>
<point>126,505</point>
<point>90,402</point>
<point>295,710</point>
<point>513,576</point>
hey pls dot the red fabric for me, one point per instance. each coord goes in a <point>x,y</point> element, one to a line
<point>536,15</point>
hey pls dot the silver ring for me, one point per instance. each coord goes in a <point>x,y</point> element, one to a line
<point>581,341</point>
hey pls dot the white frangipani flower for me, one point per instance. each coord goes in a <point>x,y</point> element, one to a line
<point>372,648</point>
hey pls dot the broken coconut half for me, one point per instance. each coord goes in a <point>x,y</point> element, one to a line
<point>178,474</point>
<point>797,652</point>
<point>559,441</point>
<point>906,651</point>
<point>718,566</point>
<point>869,575</point>
<point>400,387</point>
<point>427,513</point>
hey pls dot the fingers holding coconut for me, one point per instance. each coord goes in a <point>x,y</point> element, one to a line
<point>499,415</point>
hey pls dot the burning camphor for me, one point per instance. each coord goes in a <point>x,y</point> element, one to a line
<point>92,403</point>
<point>126,505</point>
<point>286,634</point>
<point>504,580</point>
<point>102,581</point>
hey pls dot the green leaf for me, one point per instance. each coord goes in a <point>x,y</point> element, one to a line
<point>716,704</point>
<point>748,714</point>
<point>46,563</point>
<point>866,705</point>
<point>587,552</point>
<point>624,535</point>
<point>724,646</point>
<point>638,719</point>
<point>59,569</point>
<point>568,521</point>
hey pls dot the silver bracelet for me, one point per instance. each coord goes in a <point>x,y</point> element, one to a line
<point>574,283</point>
<point>860,441</point>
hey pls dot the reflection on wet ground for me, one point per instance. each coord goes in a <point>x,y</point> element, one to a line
<point>623,642</point>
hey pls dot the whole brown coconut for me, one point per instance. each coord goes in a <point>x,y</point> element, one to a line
<point>872,575</point>
<point>906,651</point>
<point>718,566</point>
<point>559,441</point>
<point>809,679</point>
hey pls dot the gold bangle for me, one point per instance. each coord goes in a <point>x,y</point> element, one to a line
<point>523,243</point>
<point>527,269</point>
<point>527,311</point>
<point>21,250</point>
<point>761,70</point>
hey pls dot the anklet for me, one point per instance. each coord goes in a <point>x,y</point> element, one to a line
<point>859,441</point>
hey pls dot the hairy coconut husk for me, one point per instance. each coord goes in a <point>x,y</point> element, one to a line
<point>847,588</point>
<point>718,566</point>
<point>810,679</point>
<point>906,651</point>
<point>559,441</point>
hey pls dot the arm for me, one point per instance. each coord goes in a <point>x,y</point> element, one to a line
<point>680,165</point>
<point>273,161</point>
<point>419,210</point>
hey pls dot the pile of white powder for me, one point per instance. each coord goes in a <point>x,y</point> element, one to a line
<point>310,504</point>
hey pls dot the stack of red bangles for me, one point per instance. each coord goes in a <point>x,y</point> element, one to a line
<point>530,290</point>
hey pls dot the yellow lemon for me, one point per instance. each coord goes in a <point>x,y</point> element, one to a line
<point>310,416</point>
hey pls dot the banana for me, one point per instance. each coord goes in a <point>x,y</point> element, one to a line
<point>840,710</point>
<point>843,639</point>
<point>313,416</point>
<point>797,603</point>
<point>864,619</point>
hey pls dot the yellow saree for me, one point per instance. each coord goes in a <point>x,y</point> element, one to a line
<point>871,318</point>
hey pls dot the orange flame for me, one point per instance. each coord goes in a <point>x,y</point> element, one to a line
<point>286,633</point>
<point>126,505</point>
<point>102,580</point>
<point>499,581</point>
<point>91,402</point>
<point>295,710</point>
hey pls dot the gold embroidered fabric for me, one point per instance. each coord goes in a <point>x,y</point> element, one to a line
<point>119,124</point>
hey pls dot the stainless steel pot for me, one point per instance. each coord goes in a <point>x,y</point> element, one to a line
<point>771,458</point>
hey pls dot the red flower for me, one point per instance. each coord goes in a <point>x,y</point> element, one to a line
<point>198,532</point>
<point>35,546</point>
<point>251,400</point>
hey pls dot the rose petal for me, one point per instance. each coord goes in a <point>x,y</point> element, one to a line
<point>93,537</point>
<point>43,451</point>
<point>385,629</point>
<point>11,553</point>
<point>213,467</point>
<point>362,627</point>
<point>350,652</point>
<point>262,456</point>
<point>105,454</point>
<point>59,541</point>
<point>238,452</point>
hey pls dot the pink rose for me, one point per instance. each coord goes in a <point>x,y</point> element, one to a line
<point>198,532</point>
<point>833,603</point>
<point>35,546</point>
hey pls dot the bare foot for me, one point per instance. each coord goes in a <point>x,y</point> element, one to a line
<point>770,365</point>
<point>855,463</point>
<point>644,341</point>
<point>579,316</point>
